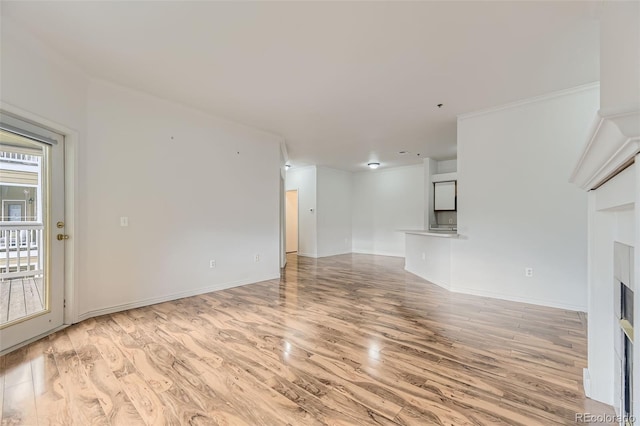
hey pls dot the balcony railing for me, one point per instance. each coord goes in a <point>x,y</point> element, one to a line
<point>15,157</point>
<point>21,246</point>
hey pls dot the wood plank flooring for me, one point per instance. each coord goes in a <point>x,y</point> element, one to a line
<point>344,340</point>
<point>20,297</point>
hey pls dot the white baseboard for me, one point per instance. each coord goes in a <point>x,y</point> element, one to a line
<point>445,286</point>
<point>313,255</point>
<point>378,253</point>
<point>337,253</point>
<point>502,296</point>
<point>374,252</point>
<point>586,381</point>
<point>512,298</point>
<point>170,297</point>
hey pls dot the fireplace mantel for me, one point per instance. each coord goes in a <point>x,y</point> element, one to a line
<point>607,164</point>
<point>612,143</point>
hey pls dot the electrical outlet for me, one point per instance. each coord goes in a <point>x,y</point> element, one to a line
<point>124,221</point>
<point>450,221</point>
<point>257,258</point>
<point>212,264</point>
<point>528,272</point>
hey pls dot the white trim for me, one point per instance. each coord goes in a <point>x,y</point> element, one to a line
<point>26,185</point>
<point>334,253</point>
<point>529,300</point>
<point>527,101</point>
<point>586,382</point>
<point>378,253</point>
<point>33,339</point>
<point>24,130</point>
<point>444,177</point>
<point>172,296</point>
<point>23,274</point>
<point>444,286</point>
<point>614,139</point>
<point>276,138</point>
<point>434,233</point>
<point>296,168</point>
<point>383,170</point>
<point>71,226</point>
<point>285,153</point>
<point>71,138</point>
<point>313,255</point>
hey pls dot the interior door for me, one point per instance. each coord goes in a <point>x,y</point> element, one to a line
<point>292,221</point>
<point>31,254</point>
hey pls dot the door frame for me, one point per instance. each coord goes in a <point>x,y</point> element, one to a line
<point>71,137</point>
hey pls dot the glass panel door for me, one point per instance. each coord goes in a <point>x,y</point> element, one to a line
<point>31,258</point>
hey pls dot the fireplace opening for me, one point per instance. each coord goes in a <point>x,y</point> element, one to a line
<point>628,379</point>
<point>626,304</point>
<point>626,323</point>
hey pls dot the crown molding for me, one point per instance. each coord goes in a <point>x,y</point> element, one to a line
<point>613,142</point>
<point>545,97</point>
<point>283,149</point>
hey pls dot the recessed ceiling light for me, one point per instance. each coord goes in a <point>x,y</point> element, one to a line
<point>403,152</point>
<point>373,165</point>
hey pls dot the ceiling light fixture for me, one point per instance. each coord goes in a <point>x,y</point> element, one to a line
<point>287,166</point>
<point>373,165</point>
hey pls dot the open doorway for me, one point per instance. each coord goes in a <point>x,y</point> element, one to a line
<point>291,219</point>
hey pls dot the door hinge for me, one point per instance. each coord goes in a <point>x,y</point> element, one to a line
<point>64,303</point>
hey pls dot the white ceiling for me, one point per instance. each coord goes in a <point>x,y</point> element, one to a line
<point>343,83</point>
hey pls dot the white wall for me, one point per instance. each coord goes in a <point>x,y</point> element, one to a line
<point>214,203</point>
<point>429,258</point>
<point>304,180</point>
<point>291,209</point>
<point>384,201</point>
<point>215,183</point>
<point>620,54</point>
<point>283,219</point>
<point>334,211</point>
<point>447,166</point>
<point>430,168</point>
<point>516,208</point>
<point>36,80</point>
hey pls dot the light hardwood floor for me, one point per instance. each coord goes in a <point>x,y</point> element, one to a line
<point>349,339</point>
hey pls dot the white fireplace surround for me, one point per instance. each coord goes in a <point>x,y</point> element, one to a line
<point>609,168</point>
<point>613,141</point>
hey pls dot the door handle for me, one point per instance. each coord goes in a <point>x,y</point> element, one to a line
<point>61,237</point>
